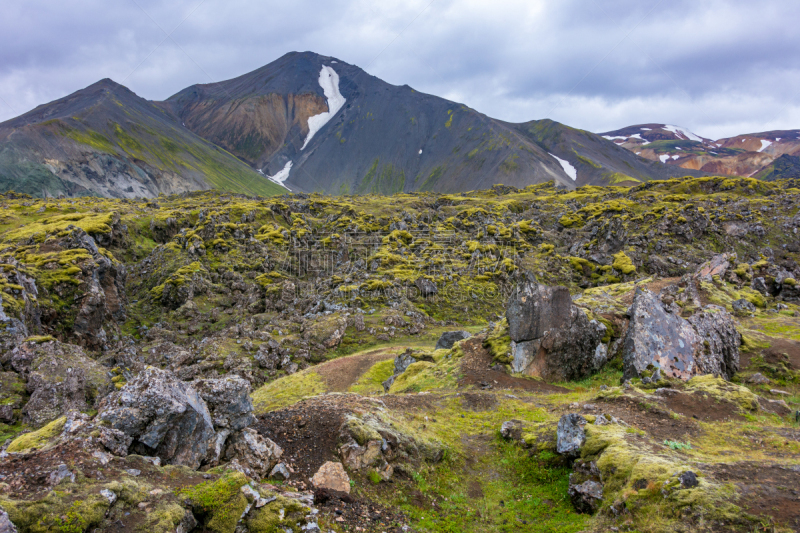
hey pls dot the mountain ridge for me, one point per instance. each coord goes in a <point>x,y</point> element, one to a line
<point>250,134</point>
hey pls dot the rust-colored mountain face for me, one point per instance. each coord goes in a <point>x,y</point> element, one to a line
<point>743,155</point>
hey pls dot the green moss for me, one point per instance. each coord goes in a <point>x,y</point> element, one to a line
<point>372,380</point>
<point>498,343</point>
<point>279,516</point>
<point>165,518</point>
<point>360,431</point>
<point>287,390</point>
<point>57,512</point>
<point>38,439</point>
<point>622,263</point>
<point>724,390</point>
<point>571,221</point>
<point>219,503</point>
<point>39,339</point>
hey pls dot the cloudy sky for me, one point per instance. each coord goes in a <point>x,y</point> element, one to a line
<point>718,67</point>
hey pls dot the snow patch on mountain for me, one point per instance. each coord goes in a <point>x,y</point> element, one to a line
<point>610,138</point>
<point>569,169</point>
<point>677,130</point>
<point>282,176</point>
<point>329,81</point>
<point>639,136</point>
<point>764,145</point>
<point>664,157</point>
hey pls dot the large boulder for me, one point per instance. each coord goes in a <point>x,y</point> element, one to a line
<point>166,418</point>
<point>60,378</point>
<point>551,337</point>
<point>228,401</point>
<point>658,339</point>
<point>449,338</point>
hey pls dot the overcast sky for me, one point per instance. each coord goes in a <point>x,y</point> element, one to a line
<point>720,68</point>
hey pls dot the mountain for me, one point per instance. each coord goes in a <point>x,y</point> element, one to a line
<point>104,140</point>
<point>306,123</point>
<point>384,138</point>
<point>743,155</point>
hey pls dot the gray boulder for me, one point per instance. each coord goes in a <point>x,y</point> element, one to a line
<point>719,352</point>
<point>570,434</point>
<point>426,287</point>
<point>717,266</point>
<point>707,343</point>
<point>511,430</point>
<point>743,307</point>
<point>552,338</point>
<point>228,401</point>
<point>449,338</point>
<point>166,418</point>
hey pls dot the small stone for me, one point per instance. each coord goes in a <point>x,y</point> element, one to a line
<point>110,495</point>
<point>511,430</point>
<point>688,480</point>
<point>133,472</point>
<point>780,392</point>
<point>280,471</point>
<point>758,379</point>
<point>61,474</point>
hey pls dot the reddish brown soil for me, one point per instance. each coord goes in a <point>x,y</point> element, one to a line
<point>477,372</point>
<point>652,418</point>
<point>701,407</point>
<point>766,490</point>
<point>342,373</point>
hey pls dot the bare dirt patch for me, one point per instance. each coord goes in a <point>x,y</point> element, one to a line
<point>477,372</point>
<point>340,374</point>
<point>649,417</point>
<point>766,490</point>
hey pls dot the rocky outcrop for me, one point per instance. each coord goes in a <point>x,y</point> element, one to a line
<point>252,454</point>
<point>165,417</point>
<point>59,377</point>
<point>552,338</point>
<point>585,487</point>
<point>659,339</point>
<point>104,296</point>
<point>19,312</point>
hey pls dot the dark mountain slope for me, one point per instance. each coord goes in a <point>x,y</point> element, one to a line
<point>386,138</point>
<point>106,140</point>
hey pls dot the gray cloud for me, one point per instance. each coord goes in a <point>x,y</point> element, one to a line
<point>717,67</point>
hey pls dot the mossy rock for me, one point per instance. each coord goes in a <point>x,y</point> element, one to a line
<point>38,439</point>
<point>724,390</point>
<point>219,503</point>
<point>282,515</point>
<point>361,431</point>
